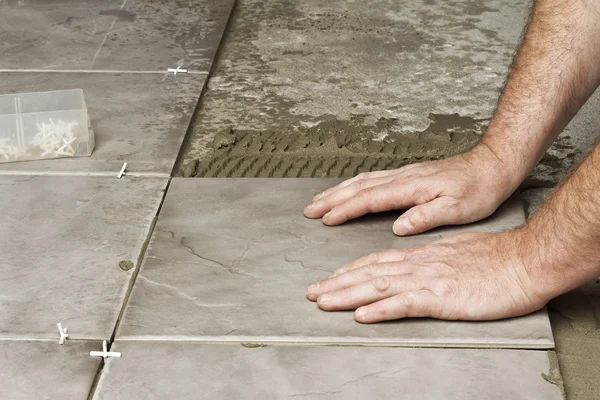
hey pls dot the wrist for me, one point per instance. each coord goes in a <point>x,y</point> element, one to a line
<point>540,278</point>
<point>554,264</point>
<point>500,172</point>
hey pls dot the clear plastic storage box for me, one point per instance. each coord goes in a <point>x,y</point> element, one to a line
<point>35,126</point>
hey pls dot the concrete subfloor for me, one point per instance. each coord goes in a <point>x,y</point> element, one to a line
<point>309,88</point>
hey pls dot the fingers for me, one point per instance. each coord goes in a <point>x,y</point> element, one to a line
<point>356,277</point>
<point>336,197</point>
<point>369,292</point>
<point>410,304</point>
<point>421,218</point>
<point>359,177</point>
<point>384,197</point>
<point>393,255</point>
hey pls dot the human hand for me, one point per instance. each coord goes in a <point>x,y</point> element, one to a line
<point>457,190</point>
<point>472,276</point>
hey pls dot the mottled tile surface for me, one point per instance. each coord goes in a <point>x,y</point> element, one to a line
<point>230,260</point>
<point>230,371</point>
<point>138,118</point>
<point>45,370</point>
<point>61,240</point>
<point>132,35</point>
<point>156,35</point>
<point>53,34</point>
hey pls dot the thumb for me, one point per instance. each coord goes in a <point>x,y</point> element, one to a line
<point>439,211</point>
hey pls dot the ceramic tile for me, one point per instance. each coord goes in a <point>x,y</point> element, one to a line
<point>53,34</point>
<point>138,118</point>
<point>61,240</point>
<point>156,35</point>
<point>46,370</point>
<point>230,260</point>
<point>131,35</point>
<point>230,371</point>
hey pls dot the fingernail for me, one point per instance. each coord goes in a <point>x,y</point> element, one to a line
<point>308,207</point>
<point>361,313</point>
<point>326,216</point>
<point>402,226</point>
<point>317,197</point>
<point>313,288</point>
<point>324,299</point>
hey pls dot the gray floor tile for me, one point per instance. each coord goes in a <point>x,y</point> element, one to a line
<point>156,35</point>
<point>61,240</point>
<point>45,370</point>
<point>53,34</point>
<point>230,371</point>
<point>230,260</point>
<point>140,119</point>
<point>131,35</point>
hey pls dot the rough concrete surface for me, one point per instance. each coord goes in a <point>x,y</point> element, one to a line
<point>575,318</point>
<point>309,88</point>
<point>311,82</point>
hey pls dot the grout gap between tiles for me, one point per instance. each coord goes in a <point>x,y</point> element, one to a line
<point>129,289</point>
<point>233,14</point>
<point>95,71</point>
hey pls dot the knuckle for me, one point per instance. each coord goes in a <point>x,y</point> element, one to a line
<point>408,302</point>
<point>342,215</point>
<point>382,256</point>
<point>382,283</point>
<point>375,257</point>
<point>422,253</point>
<point>444,288</point>
<point>368,273</point>
<point>419,217</point>
<point>326,193</point>
<point>358,185</point>
<point>437,270</point>
<point>435,305</point>
<point>400,176</point>
<point>367,193</point>
<point>454,206</point>
<point>421,194</point>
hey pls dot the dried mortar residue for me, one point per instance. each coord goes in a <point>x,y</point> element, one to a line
<point>553,376</point>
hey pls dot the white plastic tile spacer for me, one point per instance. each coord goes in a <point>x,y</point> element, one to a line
<point>177,70</point>
<point>105,353</point>
<point>63,334</point>
<point>123,169</point>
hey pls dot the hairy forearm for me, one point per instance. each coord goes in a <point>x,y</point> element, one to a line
<point>556,69</point>
<point>561,242</point>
